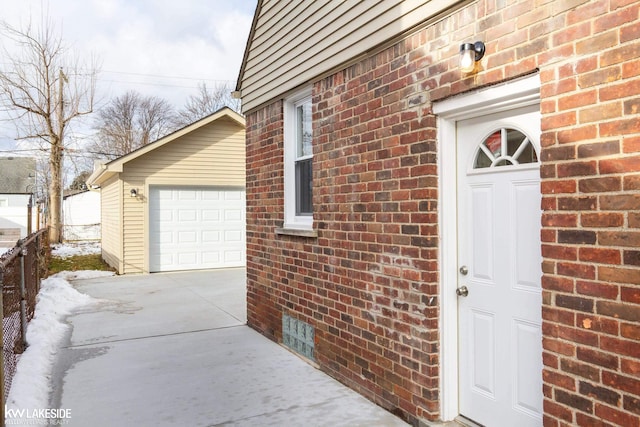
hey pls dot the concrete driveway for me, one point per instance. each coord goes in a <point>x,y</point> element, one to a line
<point>174,350</point>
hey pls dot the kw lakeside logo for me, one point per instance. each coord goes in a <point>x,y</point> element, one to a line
<point>49,416</point>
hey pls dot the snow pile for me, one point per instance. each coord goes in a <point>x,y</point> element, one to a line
<point>56,300</point>
<point>72,249</point>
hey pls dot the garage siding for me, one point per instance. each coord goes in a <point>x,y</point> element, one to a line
<point>111,213</point>
<point>213,155</point>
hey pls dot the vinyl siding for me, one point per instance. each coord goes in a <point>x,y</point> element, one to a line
<point>212,155</point>
<point>295,42</point>
<point>111,213</point>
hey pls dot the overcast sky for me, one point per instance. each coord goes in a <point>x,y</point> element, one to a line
<point>156,47</point>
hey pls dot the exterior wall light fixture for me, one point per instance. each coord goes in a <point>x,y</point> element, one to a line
<point>470,53</point>
<point>134,192</point>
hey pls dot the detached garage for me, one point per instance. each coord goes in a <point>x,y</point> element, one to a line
<point>179,202</point>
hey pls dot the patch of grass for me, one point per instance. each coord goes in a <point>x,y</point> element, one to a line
<point>78,262</point>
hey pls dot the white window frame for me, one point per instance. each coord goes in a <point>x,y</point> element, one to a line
<point>4,202</point>
<point>291,219</point>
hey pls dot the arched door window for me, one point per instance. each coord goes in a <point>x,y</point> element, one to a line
<point>505,147</point>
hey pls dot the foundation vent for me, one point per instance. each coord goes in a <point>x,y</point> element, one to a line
<point>298,336</point>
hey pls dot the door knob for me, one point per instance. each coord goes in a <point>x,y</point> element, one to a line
<point>462,291</point>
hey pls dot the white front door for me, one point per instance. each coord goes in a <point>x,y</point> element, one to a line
<point>499,261</point>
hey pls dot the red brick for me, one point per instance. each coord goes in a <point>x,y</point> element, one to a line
<point>559,220</point>
<point>631,182</point>
<point>573,400</point>
<point>600,76</point>
<point>597,289</point>
<point>619,127</point>
<point>558,411</point>
<point>586,420</point>
<point>600,220</point>
<point>616,19</point>
<point>596,357</point>
<point>581,99</point>
<point>558,379</point>
<point>631,258</point>
<point>619,238</point>
<point>620,54</point>
<point>618,310</point>
<point>601,324</point>
<point>630,294</point>
<point>623,202</point>
<point>600,185</point>
<point>630,367</point>
<point>577,169</point>
<point>630,331</point>
<point>577,133</point>
<point>619,275</point>
<point>618,91</point>
<point>615,416</point>
<point>558,187</point>
<point>581,271</point>
<point>599,393</point>
<point>599,149</point>
<point>620,347</point>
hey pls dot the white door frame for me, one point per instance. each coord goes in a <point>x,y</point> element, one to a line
<point>507,96</point>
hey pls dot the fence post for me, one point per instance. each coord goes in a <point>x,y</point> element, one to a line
<point>2,396</point>
<point>38,263</point>
<point>23,295</point>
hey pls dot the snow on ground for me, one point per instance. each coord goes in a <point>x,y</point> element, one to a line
<point>67,250</point>
<point>56,300</point>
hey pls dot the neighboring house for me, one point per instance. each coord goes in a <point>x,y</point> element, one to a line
<point>179,202</point>
<point>453,245</point>
<point>81,215</point>
<point>17,184</point>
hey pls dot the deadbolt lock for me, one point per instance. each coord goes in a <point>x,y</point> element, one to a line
<point>464,270</point>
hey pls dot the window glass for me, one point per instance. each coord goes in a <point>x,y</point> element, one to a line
<point>505,147</point>
<point>304,134</point>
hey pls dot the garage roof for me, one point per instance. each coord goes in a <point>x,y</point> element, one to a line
<point>104,171</point>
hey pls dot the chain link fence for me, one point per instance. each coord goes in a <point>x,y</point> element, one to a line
<point>21,270</point>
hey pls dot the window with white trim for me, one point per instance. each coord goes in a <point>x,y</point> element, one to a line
<point>298,161</point>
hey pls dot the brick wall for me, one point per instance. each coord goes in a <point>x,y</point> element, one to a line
<point>369,282</point>
<point>591,128</point>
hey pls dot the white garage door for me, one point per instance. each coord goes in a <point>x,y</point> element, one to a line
<point>196,228</point>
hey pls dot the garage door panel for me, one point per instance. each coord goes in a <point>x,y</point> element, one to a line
<point>233,256</point>
<point>211,215</point>
<point>186,194</point>
<point>233,195</point>
<point>187,215</point>
<point>211,195</point>
<point>211,237</point>
<point>211,257</point>
<point>233,236</point>
<point>196,228</point>
<point>187,237</point>
<point>232,214</point>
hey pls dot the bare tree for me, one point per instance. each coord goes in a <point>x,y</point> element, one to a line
<point>45,88</point>
<point>129,122</point>
<point>206,102</point>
